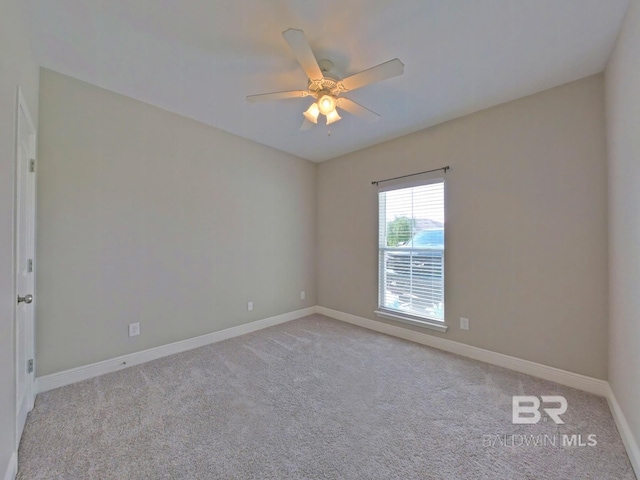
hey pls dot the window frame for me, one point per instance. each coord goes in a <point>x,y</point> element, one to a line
<point>395,315</point>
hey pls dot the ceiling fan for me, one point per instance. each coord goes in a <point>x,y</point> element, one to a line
<point>326,86</point>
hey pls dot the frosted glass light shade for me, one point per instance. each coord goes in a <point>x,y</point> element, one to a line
<point>312,113</point>
<point>327,104</point>
<point>333,117</point>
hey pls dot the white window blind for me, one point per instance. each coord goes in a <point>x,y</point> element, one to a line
<point>411,250</point>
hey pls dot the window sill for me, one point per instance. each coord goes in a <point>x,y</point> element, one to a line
<point>430,324</point>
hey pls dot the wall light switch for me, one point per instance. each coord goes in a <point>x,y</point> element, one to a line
<point>464,323</point>
<point>134,329</point>
<point>303,295</point>
<point>249,306</point>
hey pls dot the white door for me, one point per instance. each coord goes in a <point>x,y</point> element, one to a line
<point>25,262</point>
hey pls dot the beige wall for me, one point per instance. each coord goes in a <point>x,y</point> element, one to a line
<point>146,216</point>
<point>623,135</point>
<point>17,67</point>
<point>526,225</point>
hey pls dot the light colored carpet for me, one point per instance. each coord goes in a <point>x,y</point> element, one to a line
<point>313,398</point>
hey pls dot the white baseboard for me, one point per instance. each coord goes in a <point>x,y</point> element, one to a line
<point>563,377</point>
<point>12,468</point>
<point>624,429</point>
<point>67,377</point>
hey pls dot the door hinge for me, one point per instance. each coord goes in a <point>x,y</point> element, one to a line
<point>30,266</point>
<point>30,366</point>
<point>32,165</point>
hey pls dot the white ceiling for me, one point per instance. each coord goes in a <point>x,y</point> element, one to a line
<point>200,58</point>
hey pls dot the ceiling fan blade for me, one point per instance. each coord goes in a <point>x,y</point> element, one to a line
<point>277,96</point>
<point>386,70</point>
<point>357,110</point>
<point>306,125</point>
<point>303,53</point>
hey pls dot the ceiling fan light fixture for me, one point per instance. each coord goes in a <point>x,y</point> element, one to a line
<point>326,86</point>
<point>327,104</point>
<point>333,117</point>
<point>312,113</point>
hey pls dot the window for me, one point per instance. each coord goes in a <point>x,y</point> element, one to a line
<point>411,251</point>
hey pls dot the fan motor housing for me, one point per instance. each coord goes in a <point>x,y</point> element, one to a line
<point>329,81</point>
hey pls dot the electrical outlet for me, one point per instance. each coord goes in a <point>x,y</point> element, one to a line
<point>303,295</point>
<point>249,306</point>
<point>134,329</point>
<point>464,323</point>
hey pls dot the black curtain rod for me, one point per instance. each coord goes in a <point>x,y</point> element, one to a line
<point>411,175</point>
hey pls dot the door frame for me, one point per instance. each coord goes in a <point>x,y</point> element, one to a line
<point>21,105</point>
